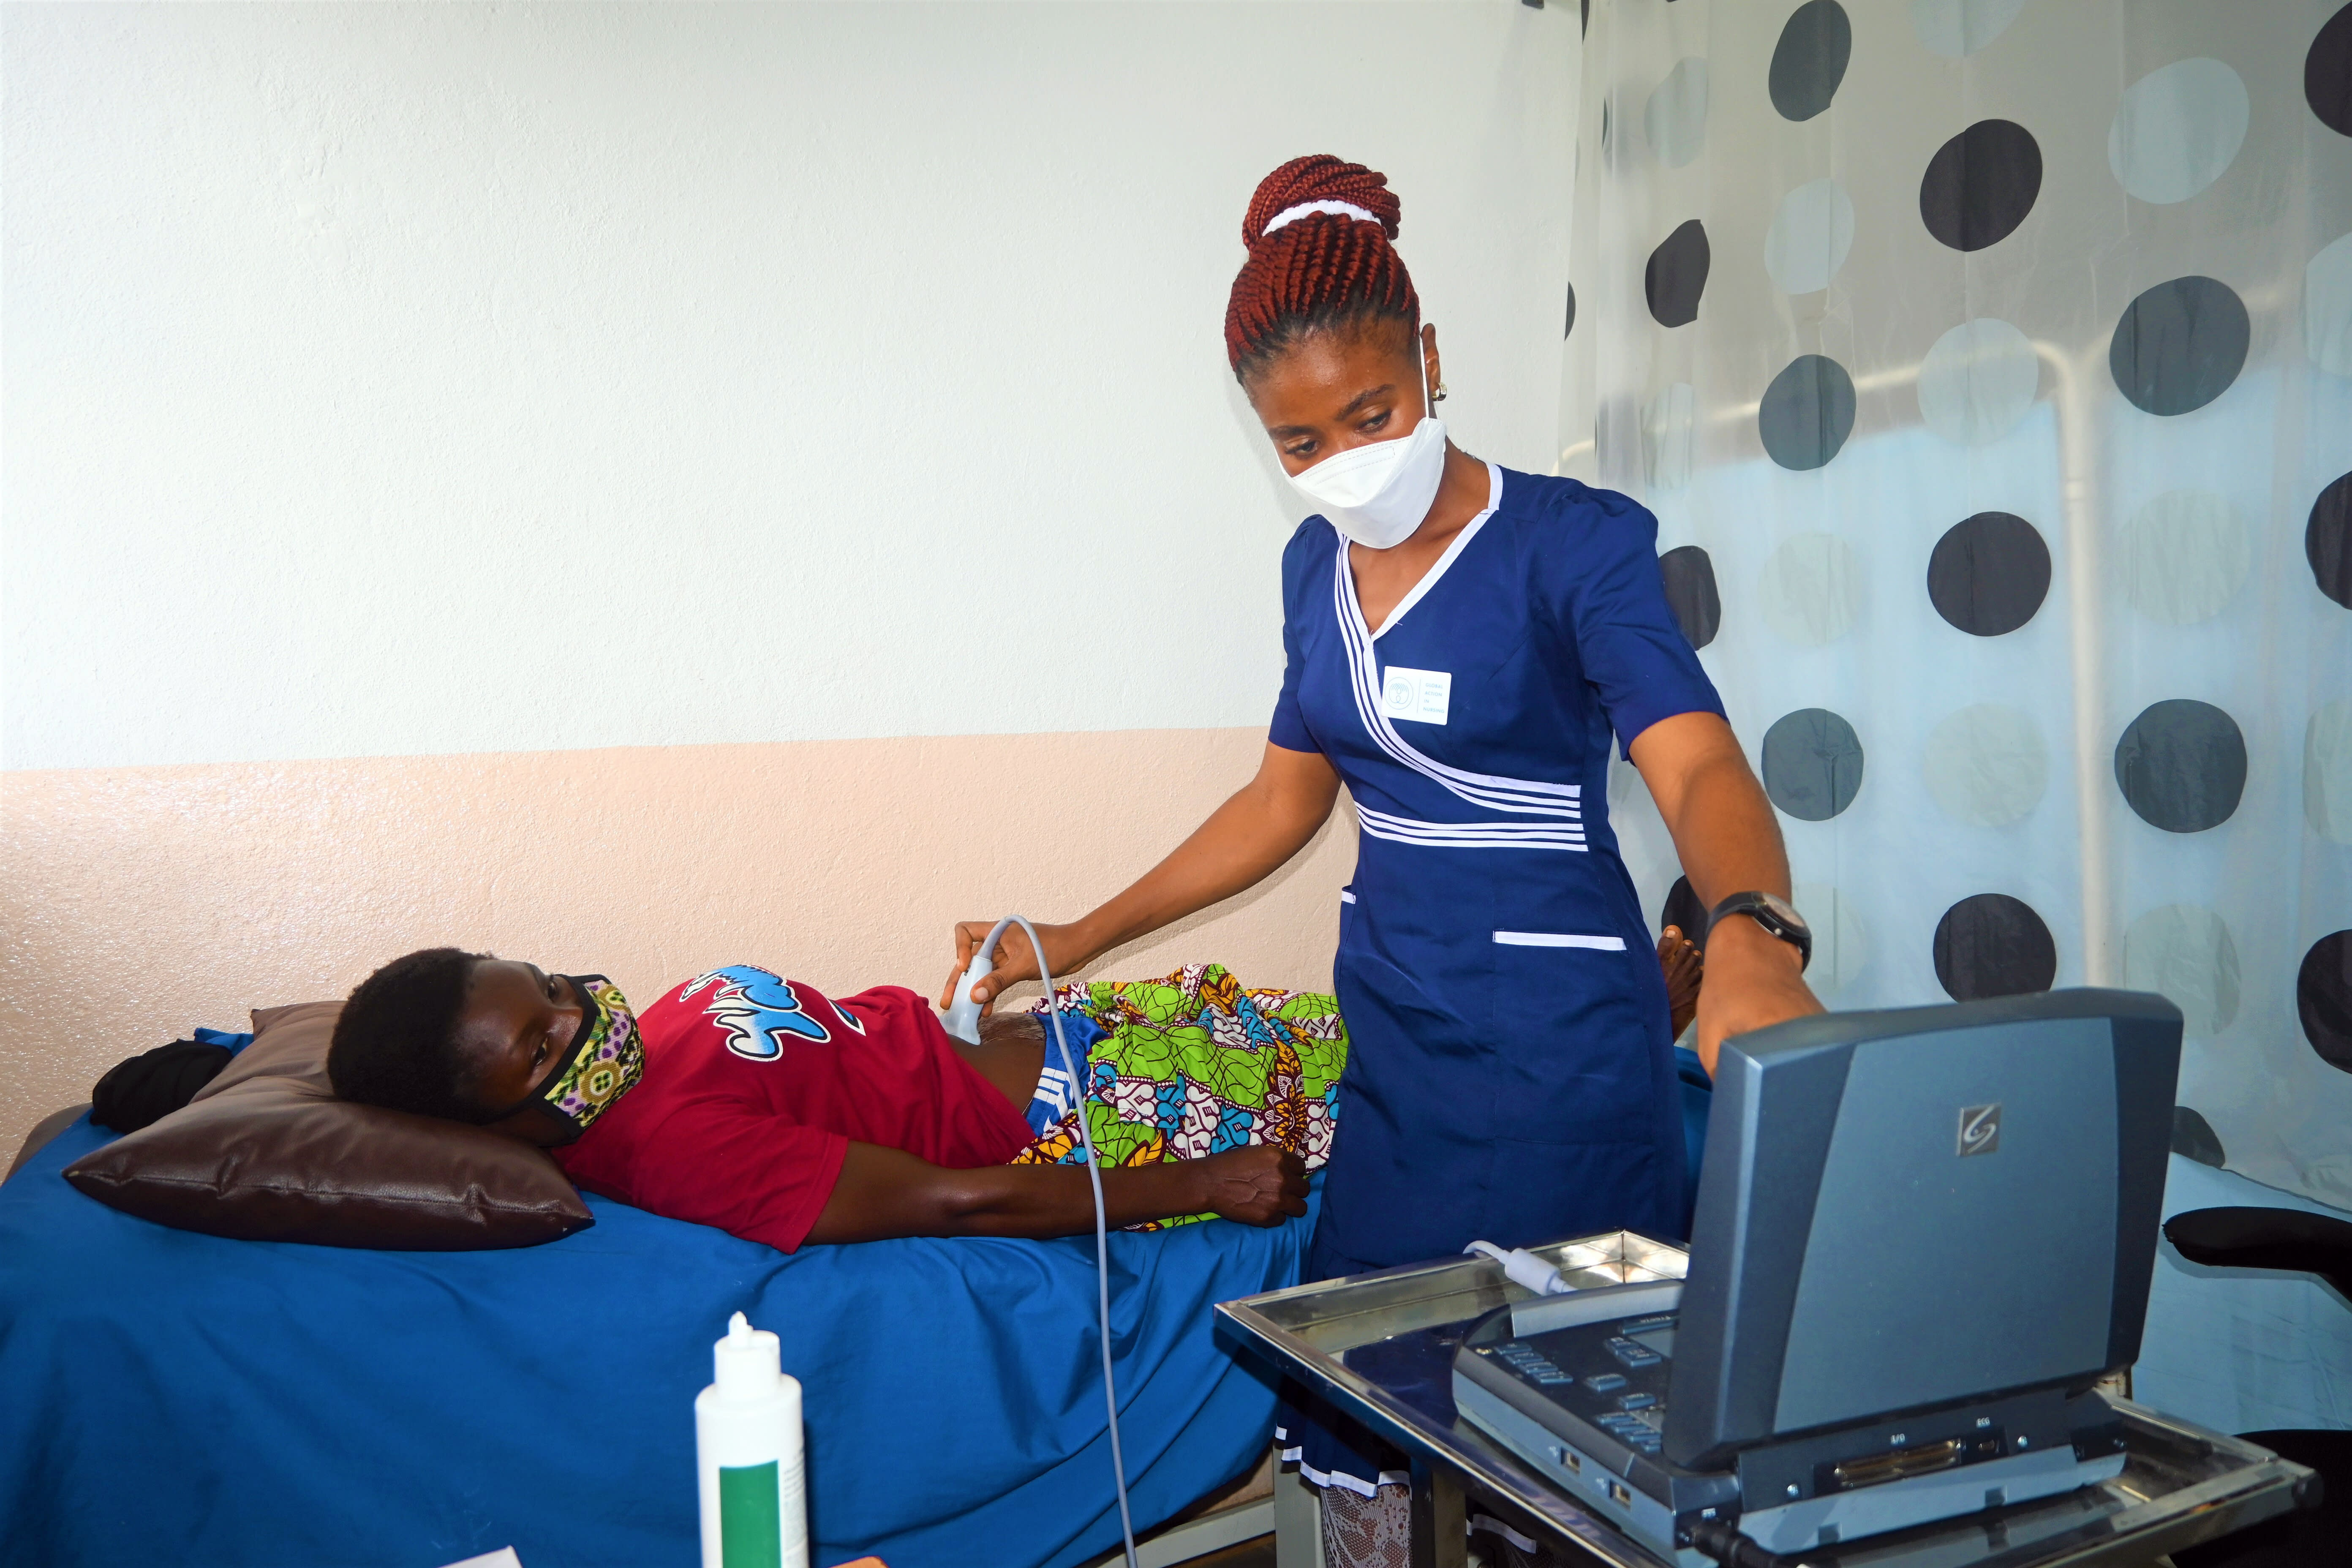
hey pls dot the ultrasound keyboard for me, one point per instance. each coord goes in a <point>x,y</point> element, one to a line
<point>1613,1375</point>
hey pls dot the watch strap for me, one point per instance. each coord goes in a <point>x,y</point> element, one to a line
<point>1758,907</point>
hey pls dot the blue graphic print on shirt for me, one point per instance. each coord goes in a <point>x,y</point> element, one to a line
<point>757,1009</point>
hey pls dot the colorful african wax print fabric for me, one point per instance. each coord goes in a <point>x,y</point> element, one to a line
<point>1193,1064</point>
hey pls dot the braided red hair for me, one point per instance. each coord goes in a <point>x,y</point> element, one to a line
<point>1322,269</point>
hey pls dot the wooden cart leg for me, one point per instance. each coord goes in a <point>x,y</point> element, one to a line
<point>1440,1532</point>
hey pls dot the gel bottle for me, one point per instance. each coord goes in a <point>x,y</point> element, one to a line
<point>747,1448</point>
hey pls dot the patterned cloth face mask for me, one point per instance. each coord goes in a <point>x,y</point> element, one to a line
<point>606,1057</point>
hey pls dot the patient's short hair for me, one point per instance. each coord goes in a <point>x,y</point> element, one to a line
<point>396,1044</point>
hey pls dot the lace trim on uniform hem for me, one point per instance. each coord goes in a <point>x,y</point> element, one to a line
<point>1356,1484</point>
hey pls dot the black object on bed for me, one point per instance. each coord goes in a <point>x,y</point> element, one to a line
<point>143,1090</point>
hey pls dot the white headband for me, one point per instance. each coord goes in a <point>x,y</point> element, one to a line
<point>1292,214</point>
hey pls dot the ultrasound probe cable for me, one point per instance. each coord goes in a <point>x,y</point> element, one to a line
<point>962,1021</point>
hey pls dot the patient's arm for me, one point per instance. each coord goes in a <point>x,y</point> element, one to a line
<point>884,1192</point>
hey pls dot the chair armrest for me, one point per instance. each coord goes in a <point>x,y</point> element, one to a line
<point>2287,1239</point>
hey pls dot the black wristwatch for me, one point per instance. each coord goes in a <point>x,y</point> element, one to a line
<point>1774,914</point>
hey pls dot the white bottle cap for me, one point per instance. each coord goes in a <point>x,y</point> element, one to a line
<point>747,1364</point>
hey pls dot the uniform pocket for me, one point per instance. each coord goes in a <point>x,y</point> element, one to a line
<point>1572,1040</point>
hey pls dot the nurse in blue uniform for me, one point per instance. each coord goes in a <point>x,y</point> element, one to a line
<point>1465,644</point>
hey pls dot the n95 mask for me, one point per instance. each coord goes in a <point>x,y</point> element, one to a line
<point>1377,494</point>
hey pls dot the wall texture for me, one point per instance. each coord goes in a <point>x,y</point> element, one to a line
<point>516,475</point>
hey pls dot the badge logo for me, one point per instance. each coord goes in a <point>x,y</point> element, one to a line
<point>1420,695</point>
<point>1980,1129</point>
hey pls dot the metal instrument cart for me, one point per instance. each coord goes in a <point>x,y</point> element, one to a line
<point>1380,1346</point>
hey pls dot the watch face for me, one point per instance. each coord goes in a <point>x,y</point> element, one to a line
<point>1785,912</point>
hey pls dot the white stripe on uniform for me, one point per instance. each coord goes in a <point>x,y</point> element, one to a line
<point>1560,939</point>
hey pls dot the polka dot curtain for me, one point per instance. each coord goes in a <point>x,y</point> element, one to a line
<point>1989,366</point>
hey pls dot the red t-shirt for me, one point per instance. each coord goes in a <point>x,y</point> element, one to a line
<point>754,1087</point>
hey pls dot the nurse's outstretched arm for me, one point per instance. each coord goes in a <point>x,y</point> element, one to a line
<point>1262,825</point>
<point>1730,843</point>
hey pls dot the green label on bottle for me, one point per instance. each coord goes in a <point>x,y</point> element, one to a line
<point>751,1526</point>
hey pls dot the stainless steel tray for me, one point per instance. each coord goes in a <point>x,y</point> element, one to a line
<point>2180,1483</point>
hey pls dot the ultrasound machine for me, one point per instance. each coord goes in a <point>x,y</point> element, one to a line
<point>1922,1237</point>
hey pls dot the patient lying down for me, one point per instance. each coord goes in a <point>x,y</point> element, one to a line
<point>756,1104</point>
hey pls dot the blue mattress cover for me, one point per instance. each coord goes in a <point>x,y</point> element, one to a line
<point>179,1398</point>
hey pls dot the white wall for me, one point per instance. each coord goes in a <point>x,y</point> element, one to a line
<point>438,379</point>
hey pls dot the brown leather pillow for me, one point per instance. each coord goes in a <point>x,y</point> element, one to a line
<point>267,1152</point>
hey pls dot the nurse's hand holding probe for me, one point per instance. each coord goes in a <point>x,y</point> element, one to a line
<point>1245,840</point>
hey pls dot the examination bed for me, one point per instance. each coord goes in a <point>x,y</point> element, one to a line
<point>172,1397</point>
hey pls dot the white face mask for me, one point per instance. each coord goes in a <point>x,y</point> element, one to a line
<point>1379,494</point>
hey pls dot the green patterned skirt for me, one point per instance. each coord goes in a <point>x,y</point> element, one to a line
<point>1193,1064</point>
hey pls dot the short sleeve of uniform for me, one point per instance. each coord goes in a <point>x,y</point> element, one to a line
<point>1289,729</point>
<point>1602,577</point>
<point>754,1175</point>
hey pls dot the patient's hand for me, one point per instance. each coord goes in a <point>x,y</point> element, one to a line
<point>1263,1184</point>
<point>1685,967</point>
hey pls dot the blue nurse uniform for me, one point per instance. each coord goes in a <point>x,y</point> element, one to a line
<point>1510,1077</point>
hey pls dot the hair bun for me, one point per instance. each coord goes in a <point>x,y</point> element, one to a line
<point>1320,177</point>
<point>1325,267</point>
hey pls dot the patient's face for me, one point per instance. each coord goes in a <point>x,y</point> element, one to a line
<point>1340,388</point>
<point>519,1021</point>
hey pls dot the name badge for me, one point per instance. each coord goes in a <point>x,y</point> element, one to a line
<point>1420,695</point>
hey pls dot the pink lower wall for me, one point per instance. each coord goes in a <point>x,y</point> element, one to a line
<point>138,902</point>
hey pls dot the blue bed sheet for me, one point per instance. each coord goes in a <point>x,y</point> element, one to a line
<point>169,1397</point>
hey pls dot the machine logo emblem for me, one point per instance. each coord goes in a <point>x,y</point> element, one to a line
<point>1979,1129</point>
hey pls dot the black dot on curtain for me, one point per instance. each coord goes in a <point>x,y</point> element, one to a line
<point>1993,945</point>
<point>2193,1137</point>
<point>2179,345</point>
<point>1812,764</point>
<point>2181,764</point>
<point>1980,184</point>
<point>1676,275</point>
<point>1989,574</point>
<point>2328,73</point>
<point>1572,312</point>
<point>2328,540</point>
<point>2323,998</point>
<point>1684,912</point>
<point>1810,60</point>
<point>1691,593</point>
<point>1807,413</point>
